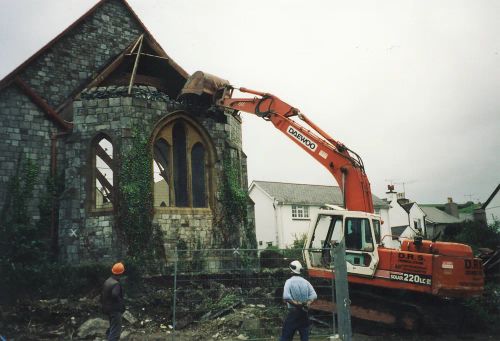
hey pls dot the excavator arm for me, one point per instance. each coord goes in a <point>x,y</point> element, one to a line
<point>346,166</point>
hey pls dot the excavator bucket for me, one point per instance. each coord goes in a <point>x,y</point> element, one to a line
<point>202,84</point>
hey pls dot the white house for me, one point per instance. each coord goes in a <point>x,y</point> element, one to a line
<point>405,219</point>
<point>492,207</point>
<point>283,211</point>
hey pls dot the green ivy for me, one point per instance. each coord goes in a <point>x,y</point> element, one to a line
<point>49,201</point>
<point>135,218</point>
<point>476,234</point>
<point>233,199</point>
<point>234,213</point>
<point>22,242</point>
<point>135,212</point>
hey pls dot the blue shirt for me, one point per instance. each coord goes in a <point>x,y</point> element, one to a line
<point>298,289</point>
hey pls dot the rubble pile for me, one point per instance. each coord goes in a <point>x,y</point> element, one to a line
<point>214,313</point>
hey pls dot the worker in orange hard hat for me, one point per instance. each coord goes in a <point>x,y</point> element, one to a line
<point>113,304</point>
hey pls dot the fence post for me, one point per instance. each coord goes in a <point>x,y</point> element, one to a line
<point>176,260</point>
<point>342,292</point>
<point>334,328</point>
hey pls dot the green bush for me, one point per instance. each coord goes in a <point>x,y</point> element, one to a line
<point>485,310</point>
<point>474,234</point>
<point>51,280</point>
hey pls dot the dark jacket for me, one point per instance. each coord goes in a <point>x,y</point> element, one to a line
<point>112,297</point>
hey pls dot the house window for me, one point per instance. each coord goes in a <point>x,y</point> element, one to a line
<point>181,165</point>
<point>269,244</point>
<point>260,242</point>
<point>300,212</point>
<point>102,172</point>
<point>417,224</point>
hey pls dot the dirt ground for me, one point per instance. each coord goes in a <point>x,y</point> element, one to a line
<point>221,313</point>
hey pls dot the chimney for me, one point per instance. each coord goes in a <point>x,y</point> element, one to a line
<point>391,194</point>
<point>451,208</point>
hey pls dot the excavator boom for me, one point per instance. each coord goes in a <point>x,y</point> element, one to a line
<point>345,165</point>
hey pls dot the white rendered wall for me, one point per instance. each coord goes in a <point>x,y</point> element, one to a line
<point>294,228</point>
<point>385,227</point>
<point>265,220</point>
<point>416,214</point>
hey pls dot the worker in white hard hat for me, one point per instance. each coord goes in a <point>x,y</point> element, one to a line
<point>298,294</point>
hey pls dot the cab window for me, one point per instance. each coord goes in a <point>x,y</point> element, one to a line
<point>358,234</point>
<point>376,230</point>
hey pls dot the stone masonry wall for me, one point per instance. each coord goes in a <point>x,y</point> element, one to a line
<point>91,235</point>
<point>25,132</point>
<point>72,61</point>
<point>57,75</point>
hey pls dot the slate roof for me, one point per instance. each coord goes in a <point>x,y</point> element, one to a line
<point>436,216</point>
<point>306,194</point>
<point>406,205</point>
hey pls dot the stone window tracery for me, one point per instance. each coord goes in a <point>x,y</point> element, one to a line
<point>182,174</point>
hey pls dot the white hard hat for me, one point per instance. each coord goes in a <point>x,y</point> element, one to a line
<point>295,266</point>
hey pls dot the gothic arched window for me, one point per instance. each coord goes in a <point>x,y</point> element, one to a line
<point>182,155</point>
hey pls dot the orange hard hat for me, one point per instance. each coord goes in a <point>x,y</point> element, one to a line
<point>118,269</point>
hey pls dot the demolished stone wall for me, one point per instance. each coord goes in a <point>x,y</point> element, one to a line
<point>89,234</point>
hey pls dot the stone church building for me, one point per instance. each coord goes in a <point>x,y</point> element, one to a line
<point>76,106</point>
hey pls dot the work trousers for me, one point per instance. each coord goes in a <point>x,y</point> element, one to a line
<point>296,320</point>
<point>115,327</point>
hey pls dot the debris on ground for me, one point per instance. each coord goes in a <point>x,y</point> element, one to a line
<point>221,313</point>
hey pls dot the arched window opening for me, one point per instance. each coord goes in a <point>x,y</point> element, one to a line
<point>161,173</point>
<point>183,156</point>
<point>198,175</point>
<point>180,165</point>
<point>103,173</point>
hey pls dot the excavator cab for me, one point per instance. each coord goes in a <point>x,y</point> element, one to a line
<point>359,230</point>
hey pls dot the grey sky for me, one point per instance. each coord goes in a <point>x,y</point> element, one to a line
<point>411,86</point>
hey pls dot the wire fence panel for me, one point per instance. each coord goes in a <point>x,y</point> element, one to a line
<point>236,294</point>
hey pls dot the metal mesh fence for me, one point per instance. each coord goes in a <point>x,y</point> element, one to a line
<point>236,294</point>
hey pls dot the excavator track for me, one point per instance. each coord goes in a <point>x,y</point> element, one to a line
<point>396,309</point>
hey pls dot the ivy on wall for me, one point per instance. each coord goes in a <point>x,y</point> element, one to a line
<point>22,243</point>
<point>233,213</point>
<point>135,209</point>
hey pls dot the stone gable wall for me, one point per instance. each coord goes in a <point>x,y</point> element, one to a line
<point>72,61</point>
<point>80,55</point>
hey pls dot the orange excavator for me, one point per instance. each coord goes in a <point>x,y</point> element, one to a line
<point>394,282</point>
